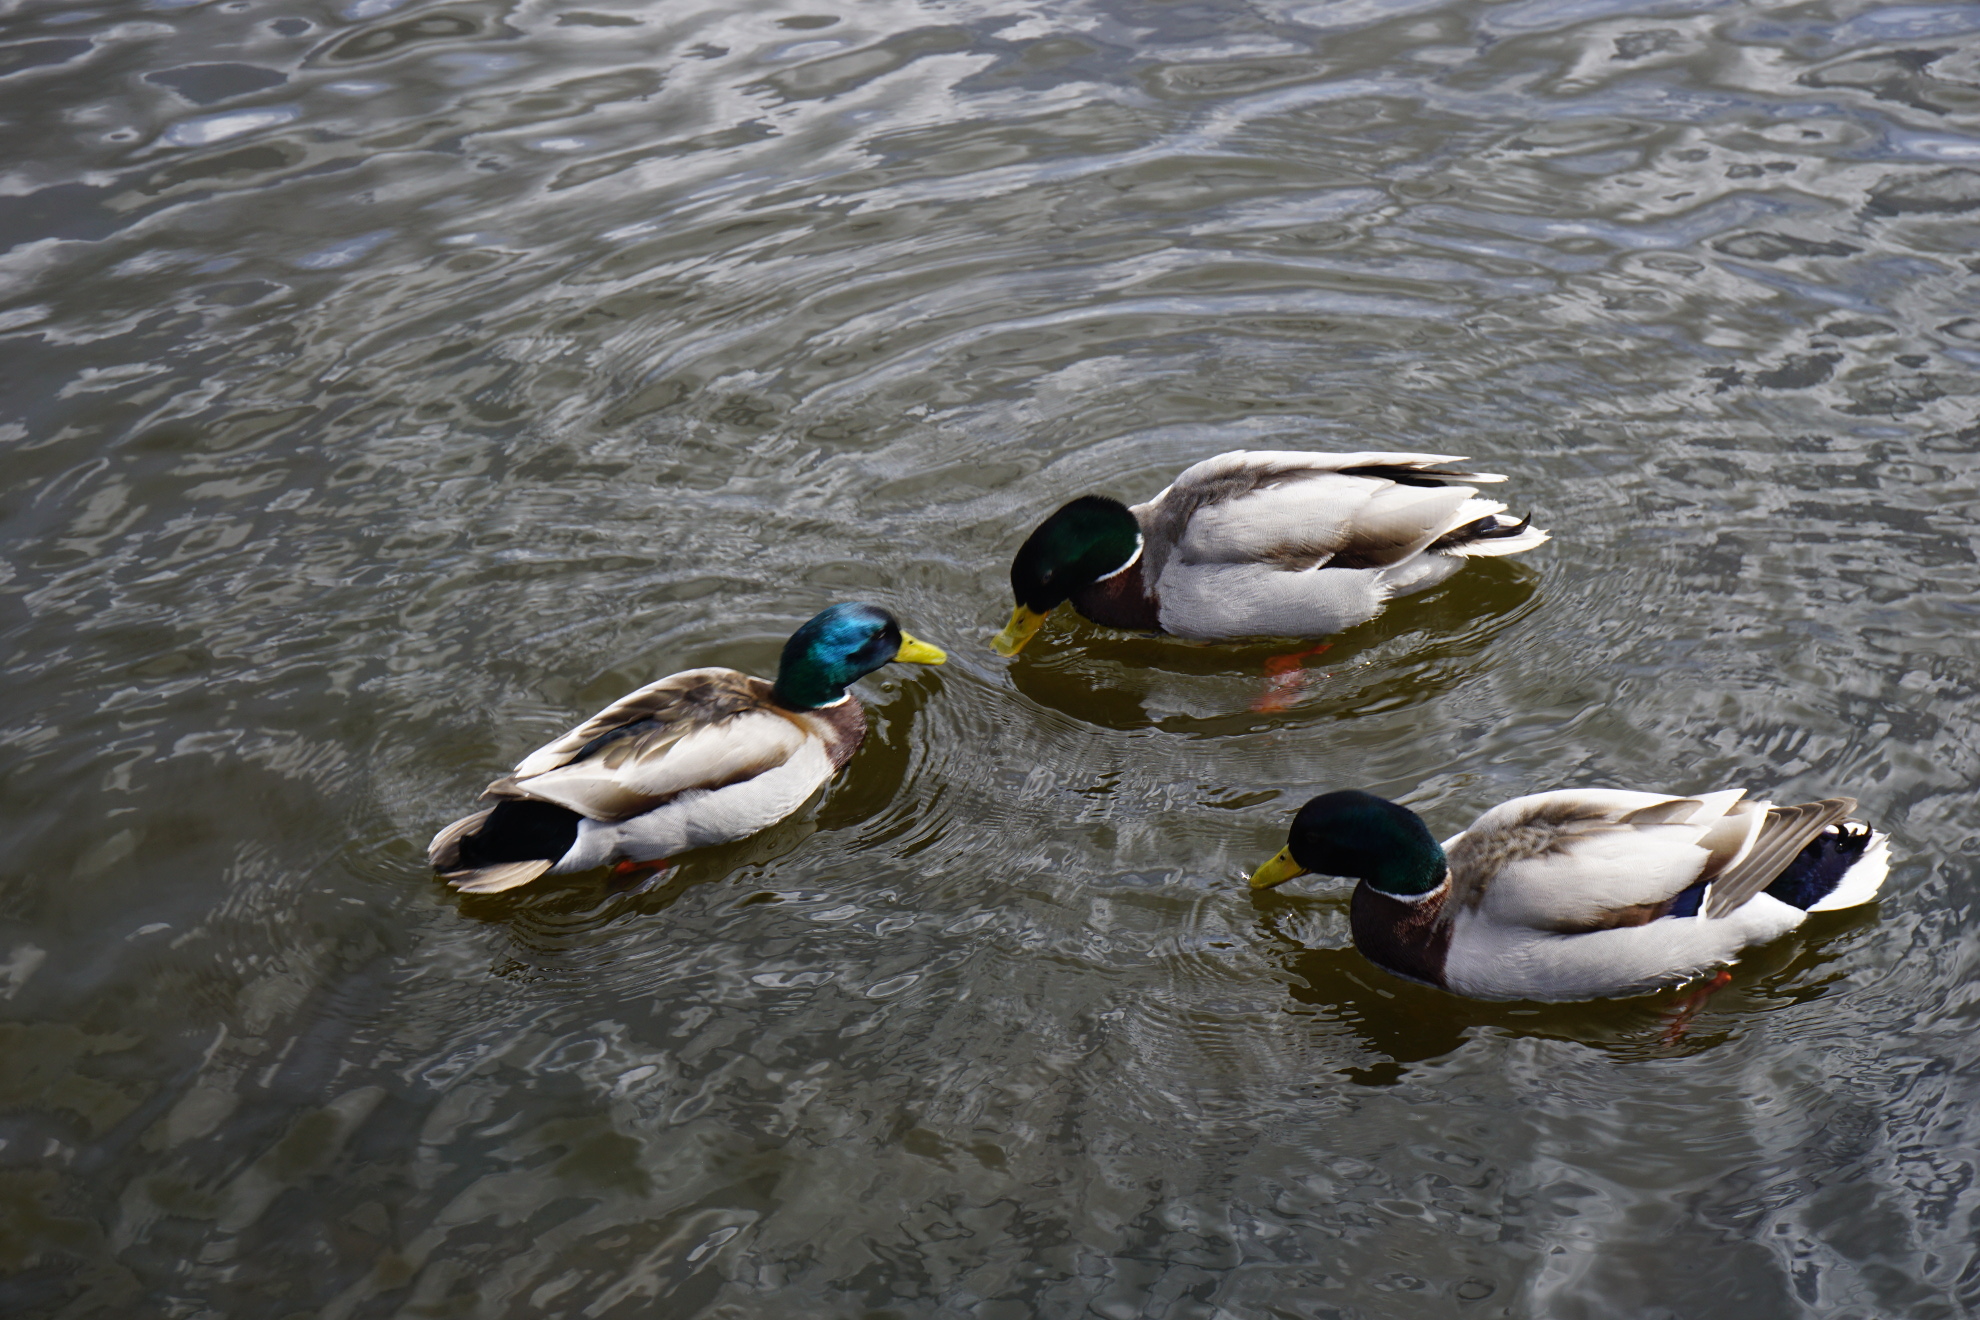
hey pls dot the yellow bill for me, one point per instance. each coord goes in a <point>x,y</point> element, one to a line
<point>1024,625</point>
<point>919,653</point>
<point>1280,869</point>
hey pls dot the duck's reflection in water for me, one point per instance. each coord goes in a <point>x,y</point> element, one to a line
<point>1419,648</point>
<point>1401,1024</point>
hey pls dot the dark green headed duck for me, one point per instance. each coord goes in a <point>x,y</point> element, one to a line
<point>1261,544</point>
<point>700,757</point>
<point>1581,893</point>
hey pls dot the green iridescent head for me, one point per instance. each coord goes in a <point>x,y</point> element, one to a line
<point>838,646</point>
<point>1357,834</point>
<point>1087,540</point>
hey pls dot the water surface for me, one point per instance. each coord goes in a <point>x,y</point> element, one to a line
<point>389,384</point>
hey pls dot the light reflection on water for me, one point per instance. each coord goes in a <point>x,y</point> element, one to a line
<point>389,383</point>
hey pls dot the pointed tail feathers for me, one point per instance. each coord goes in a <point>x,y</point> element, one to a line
<point>444,853</point>
<point>1491,534</point>
<point>495,879</point>
<point>510,844</point>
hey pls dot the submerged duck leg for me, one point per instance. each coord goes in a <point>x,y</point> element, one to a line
<point>629,877</point>
<point>1285,678</point>
<point>1680,1017</point>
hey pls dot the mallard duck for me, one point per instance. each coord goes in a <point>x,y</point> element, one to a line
<point>698,758</point>
<point>1581,893</point>
<point>1261,544</point>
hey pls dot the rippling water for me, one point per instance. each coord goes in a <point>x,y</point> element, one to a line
<point>390,384</point>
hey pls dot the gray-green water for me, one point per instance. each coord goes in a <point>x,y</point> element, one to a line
<point>389,385</point>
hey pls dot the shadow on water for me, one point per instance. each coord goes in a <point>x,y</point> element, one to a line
<point>1402,1023</point>
<point>591,899</point>
<point>1417,649</point>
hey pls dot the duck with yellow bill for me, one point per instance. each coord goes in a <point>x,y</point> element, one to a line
<point>1583,893</point>
<point>1258,543</point>
<point>698,758</point>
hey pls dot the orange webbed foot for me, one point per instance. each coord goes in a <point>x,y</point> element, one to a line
<point>1285,678</point>
<point>630,874</point>
<point>1680,1017</point>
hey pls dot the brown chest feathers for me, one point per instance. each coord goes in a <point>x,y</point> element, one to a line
<point>844,728</point>
<point>1121,601</point>
<point>1406,938</point>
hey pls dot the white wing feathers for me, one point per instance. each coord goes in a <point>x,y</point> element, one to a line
<point>1602,868</point>
<point>1399,521</point>
<point>607,788</point>
<point>655,699</point>
<point>700,729</point>
<point>1301,509</point>
<point>1575,859</point>
<point>1237,461</point>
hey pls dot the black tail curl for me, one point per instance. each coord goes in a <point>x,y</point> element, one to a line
<point>1816,871</point>
<point>1487,528</point>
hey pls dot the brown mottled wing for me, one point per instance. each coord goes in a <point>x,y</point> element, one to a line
<point>703,729</point>
<point>1579,860</point>
<point>1786,832</point>
<point>1296,511</point>
<point>1677,810</point>
<point>1500,839</point>
<point>667,709</point>
<point>1289,507</point>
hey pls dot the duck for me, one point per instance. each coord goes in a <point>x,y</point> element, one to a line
<point>1261,543</point>
<point>697,758</point>
<point>1581,893</point>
